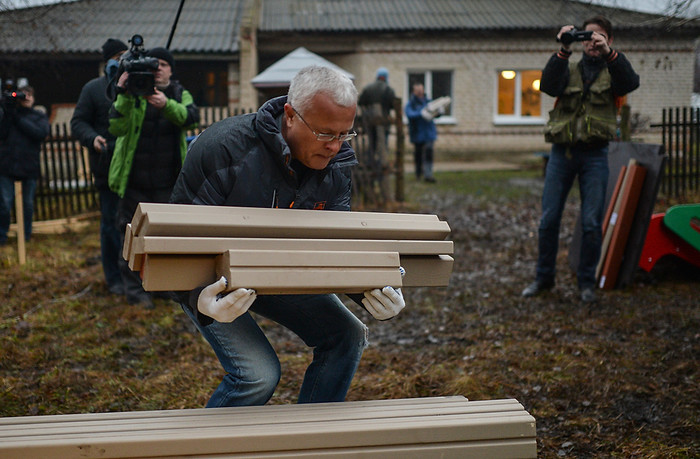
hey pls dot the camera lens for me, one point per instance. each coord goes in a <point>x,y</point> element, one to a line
<point>137,40</point>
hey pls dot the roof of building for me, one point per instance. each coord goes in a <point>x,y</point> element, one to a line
<point>207,26</point>
<point>212,26</point>
<point>280,73</point>
<point>438,15</point>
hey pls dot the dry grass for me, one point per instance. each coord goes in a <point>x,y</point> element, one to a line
<point>618,379</point>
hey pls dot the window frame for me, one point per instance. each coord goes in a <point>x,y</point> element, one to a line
<point>428,83</point>
<point>518,119</point>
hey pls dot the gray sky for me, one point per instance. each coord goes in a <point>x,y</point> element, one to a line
<point>649,6</point>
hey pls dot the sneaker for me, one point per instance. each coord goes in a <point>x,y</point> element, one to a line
<point>430,179</point>
<point>588,295</point>
<point>536,288</point>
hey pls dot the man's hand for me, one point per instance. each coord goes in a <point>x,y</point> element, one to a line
<point>224,308</point>
<point>564,29</point>
<point>99,143</point>
<point>385,303</point>
<point>157,99</point>
<point>121,82</point>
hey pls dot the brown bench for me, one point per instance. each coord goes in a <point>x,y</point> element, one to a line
<point>445,427</point>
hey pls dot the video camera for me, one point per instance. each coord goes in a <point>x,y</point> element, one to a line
<point>10,96</point>
<point>575,35</point>
<point>139,66</point>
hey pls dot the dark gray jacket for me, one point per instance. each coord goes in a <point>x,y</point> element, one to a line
<point>245,161</point>
<point>90,119</point>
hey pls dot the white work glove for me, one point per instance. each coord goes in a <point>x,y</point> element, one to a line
<point>384,303</point>
<point>224,308</point>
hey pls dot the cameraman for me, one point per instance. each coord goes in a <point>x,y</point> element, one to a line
<point>583,121</point>
<point>151,146</point>
<point>90,124</point>
<point>22,129</point>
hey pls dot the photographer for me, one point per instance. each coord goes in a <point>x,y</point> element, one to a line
<point>90,124</point>
<point>22,129</point>
<point>150,148</point>
<point>583,121</point>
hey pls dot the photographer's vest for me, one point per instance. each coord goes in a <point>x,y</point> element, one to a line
<point>583,118</point>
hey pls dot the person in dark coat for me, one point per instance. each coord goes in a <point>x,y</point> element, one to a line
<point>291,153</point>
<point>580,126</point>
<point>90,124</point>
<point>22,129</point>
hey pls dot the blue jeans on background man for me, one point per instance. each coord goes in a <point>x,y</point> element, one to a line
<point>252,367</point>
<point>110,240</point>
<point>7,200</point>
<point>591,167</point>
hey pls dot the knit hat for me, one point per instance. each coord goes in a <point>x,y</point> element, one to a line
<point>162,53</point>
<point>382,72</point>
<point>111,47</point>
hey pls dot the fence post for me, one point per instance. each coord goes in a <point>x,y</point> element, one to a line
<point>400,150</point>
<point>19,211</point>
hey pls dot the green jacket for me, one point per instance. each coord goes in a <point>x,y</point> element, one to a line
<point>583,118</point>
<point>128,111</point>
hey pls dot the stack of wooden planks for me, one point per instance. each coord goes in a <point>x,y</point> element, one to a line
<point>430,427</point>
<point>618,222</point>
<point>277,251</point>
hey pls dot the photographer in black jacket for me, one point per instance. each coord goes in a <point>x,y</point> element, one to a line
<point>90,124</point>
<point>583,121</point>
<point>22,129</point>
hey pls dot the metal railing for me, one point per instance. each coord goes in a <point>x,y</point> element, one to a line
<point>681,141</point>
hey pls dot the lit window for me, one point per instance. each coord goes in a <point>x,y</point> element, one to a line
<point>519,98</point>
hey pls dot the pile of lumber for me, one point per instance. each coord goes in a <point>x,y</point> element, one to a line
<point>285,251</point>
<point>430,427</point>
<point>618,222</point>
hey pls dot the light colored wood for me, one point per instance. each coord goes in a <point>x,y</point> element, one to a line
<point>271,225</point>
<point>177,272</point>
<point>127,247</point>
<point>19,214</point>
<point>420,428</point>
<point>186,272</point>
<point>202,212</point>
<point>427,271</point>
<point>141,245</point>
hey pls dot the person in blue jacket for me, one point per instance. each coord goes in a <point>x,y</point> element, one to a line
<point>422,132</point>
<point>22,129</point>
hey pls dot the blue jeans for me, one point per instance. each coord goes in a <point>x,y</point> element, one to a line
<point>337,337</point>
<point>7,200</point>
<point>591,167</point>
<point>110,239</point>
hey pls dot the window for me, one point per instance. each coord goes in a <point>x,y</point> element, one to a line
<point>518,98</point>
<point>437,83</point>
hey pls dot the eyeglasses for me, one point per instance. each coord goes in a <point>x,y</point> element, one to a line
<point>326,137</point>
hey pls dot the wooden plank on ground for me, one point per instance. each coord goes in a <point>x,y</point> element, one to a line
<point>430,428</point>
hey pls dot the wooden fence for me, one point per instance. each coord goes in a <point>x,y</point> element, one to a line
<point>66,187</point>
<point>681,141</point>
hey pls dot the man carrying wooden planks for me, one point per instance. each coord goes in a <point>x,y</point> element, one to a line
<point>292,153</point>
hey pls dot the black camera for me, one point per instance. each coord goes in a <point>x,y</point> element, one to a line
<point>10,96</point>
<point>575,35</point>
<point>139,66</point>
